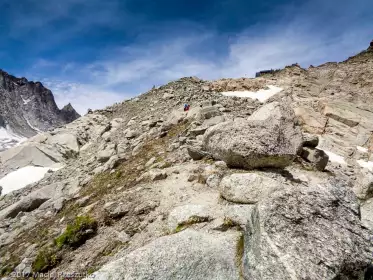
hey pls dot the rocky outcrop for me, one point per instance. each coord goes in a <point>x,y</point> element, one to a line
<point>268,138</point>
<point>305,233</point>
<point>187,255</point>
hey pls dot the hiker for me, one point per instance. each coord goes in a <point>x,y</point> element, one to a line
<point>186,107</point>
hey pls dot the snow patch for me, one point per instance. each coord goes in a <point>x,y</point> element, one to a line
<point>22,177</point>
<point>9,139</point>
<point>335,158</point>
<point>332,156</point>
<point>25,101</point>
<point>366,164</point>
<point>262,95</point>
<point>362,149</point>
<point>33,127</point>
<point>7,133</point>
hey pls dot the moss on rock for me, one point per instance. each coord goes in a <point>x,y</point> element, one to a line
<point>76,233</point>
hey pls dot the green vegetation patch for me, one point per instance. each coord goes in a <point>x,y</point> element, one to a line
<point>46,259</point>
<point>76,233</point>
<point>9,266</point>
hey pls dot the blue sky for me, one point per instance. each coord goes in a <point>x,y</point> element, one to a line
<point>94,53</point>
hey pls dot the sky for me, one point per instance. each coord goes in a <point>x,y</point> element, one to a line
<point>95,53</point>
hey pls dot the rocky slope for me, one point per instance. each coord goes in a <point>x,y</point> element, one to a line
<point>234,188</point>
<point>27,108</point>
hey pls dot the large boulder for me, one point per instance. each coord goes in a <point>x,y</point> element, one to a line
<point>33,154</point>
<point>32,201</point>
<point>247,188</point>
<point>106,153</point>
<point>174,118</point>
<point>309,232</point>
<point>268,138</point>
<point>67,141</point>
<point>188,255</point>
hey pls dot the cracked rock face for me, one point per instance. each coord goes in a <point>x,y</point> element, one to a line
<point>307,233</point>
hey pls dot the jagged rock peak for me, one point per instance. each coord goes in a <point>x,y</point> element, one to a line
<point>70,113</point>
<point>28,107</point>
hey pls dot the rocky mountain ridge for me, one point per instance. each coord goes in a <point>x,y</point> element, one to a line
<point>27,108</point>
<point>234,188</point>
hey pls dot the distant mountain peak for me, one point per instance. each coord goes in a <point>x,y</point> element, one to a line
<point>28,107</point>
<point>70,113</point>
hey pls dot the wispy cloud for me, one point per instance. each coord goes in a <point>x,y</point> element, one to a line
<point>82,96</point>
<point>120,77</point>
<point>312,33</point>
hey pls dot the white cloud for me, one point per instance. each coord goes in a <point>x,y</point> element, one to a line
<point>167,60</point>
<point>138,67</point>
<point>130,70</point>
<point>82,96</point>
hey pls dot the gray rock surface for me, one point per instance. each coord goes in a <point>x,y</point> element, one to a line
<point>311,120</point>
<point>363,187</point>
<point>183,214</point>
<point>30,154</point>
<point>318,158</point>
<point>247,188</point>
<point>208,112</point>
<point>196,152</point>
<point>188,255</point>
<point>68,142</point>
<point>32,201</point>
<point>305,233</point>
<point>367,213</point>
<point>268,138</point>
<point>310,140</point>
